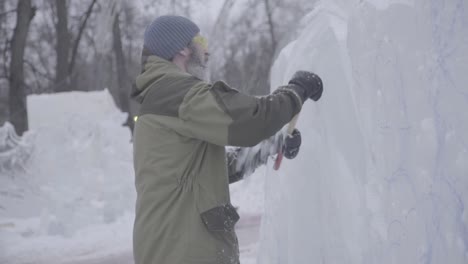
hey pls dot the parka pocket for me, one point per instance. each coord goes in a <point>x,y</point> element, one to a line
<point>221,218</point>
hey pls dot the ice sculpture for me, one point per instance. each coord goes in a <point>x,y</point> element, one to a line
<point>382,176</point>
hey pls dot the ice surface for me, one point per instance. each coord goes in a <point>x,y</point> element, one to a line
<point>382,176</point>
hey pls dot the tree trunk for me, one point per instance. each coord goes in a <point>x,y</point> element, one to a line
<point>78,37</point>
<point>3,14</point>
<point>122,75</point>
<point>271,26</point>
<point>17,95</point>
<point>62,80</point>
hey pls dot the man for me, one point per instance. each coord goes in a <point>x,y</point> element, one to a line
<point>183,209</point>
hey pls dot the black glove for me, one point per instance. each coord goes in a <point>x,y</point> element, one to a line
<point>292,143</point>
<point>307,85</point>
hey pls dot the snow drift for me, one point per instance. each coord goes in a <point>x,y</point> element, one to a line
<point>382,176</point>
<point>74,194</point>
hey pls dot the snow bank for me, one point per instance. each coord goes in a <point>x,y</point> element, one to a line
<point>78,180</point>
<point>382,176</point>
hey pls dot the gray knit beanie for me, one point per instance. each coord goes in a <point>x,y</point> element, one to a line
<point>167,35</point>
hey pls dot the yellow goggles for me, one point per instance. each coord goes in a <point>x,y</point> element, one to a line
<point>202,41</point>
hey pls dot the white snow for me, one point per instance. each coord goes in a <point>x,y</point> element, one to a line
<point>382,174</point>
<point>75,194</point>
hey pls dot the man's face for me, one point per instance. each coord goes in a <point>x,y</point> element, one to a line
<point>197,63</point>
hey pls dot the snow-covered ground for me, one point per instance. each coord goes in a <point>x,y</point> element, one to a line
<point>75,194</point>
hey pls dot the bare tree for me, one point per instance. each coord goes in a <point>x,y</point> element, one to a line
<point>122,73</point>
<point>63,46</point>
<point>17,95</point>
<point>84,21</point>
<point>3,14</point>
<point>248,40</point>
<point>271,25</point>
<point>222,17</point>
<point>4,65</point>
<point>66,53</point>
<point>4,40</point>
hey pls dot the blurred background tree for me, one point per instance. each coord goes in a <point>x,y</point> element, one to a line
<point>49,46</point>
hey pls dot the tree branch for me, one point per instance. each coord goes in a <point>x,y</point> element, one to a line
<point>5,52</point>
<point>8,12</point>
<point>36,71</point>
<point>222,16</point>
<point>271,25</point>
<point>78,37</point>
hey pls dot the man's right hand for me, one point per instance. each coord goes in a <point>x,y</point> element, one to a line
<point>308,85</point>
<point>292,143</point>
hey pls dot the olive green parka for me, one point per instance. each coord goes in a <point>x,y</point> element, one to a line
<point>183,208</point>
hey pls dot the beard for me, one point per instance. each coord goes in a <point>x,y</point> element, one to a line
<point>196,65</point>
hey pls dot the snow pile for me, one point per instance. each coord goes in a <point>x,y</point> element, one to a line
<point>382,176</point>
<point>79,177</point>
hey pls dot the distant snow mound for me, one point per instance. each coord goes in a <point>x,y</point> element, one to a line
<point>80,172</point>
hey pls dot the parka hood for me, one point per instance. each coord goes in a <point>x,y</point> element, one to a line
<point>154,69</point>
